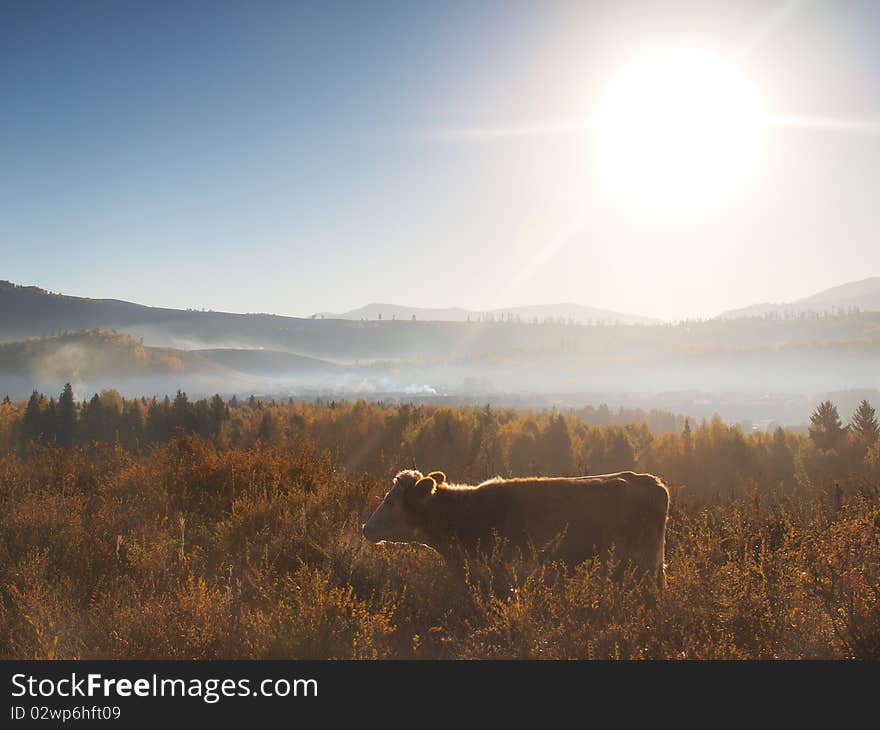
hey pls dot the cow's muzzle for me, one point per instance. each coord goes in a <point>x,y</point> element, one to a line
<point>369,532</point>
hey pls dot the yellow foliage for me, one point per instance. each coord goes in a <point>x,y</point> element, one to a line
<point>761,564</point>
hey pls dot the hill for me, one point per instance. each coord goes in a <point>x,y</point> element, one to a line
<point>861,295</point>
<point>94,359</point>
<point>95,353</point>
<point>744,368</point>
<point>268,363</point>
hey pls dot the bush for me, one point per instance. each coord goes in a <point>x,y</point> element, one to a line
<point>200,548</point>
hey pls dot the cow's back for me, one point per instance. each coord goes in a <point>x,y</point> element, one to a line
<point>588,514</point>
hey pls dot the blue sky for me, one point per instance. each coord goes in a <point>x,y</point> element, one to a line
<point>294,157</point>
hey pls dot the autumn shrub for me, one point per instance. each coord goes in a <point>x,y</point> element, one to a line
<point>195,548</point>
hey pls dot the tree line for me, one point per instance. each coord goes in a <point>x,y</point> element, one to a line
<point>469,443</point>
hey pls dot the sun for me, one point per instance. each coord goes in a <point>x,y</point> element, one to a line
<point>679,132</point>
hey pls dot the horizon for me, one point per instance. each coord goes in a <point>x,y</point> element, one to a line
<point>237,161</point>
<point>453,307</point>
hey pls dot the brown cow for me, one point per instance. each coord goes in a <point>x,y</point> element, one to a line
<point>589,515</point>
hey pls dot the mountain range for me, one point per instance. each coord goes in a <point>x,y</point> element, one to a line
<point>29,311</point>
<point>748,357</point>
<point>862,295</point>
<point>567,312</point>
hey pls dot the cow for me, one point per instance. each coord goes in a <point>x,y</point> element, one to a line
<point>582,517</point>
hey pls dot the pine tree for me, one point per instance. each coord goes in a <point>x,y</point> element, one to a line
<point>50,422</point>
<point>182,412</point>
<point>135,419</point>
<point>157,421</point>
<point>825,426</point>
<point>66,415</point>
<point>31,424</point>
<point>219,413</point>
<point>93,420</point>
<point>864,423</point>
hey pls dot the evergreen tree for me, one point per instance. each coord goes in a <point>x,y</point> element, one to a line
<point>31,424</point>
<point>826,429</point>
<point>67,413</point>
<point>270,430</point>
<point>50,422</point>
<point>157,421</point>
<point>134,423</point>
<point>219,413</point>
<point>864,423</point>
<point>182,412</point>
<point>92,424</point>
<point>202,421</point>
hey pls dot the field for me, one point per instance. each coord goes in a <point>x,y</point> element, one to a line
<point>212,529</point>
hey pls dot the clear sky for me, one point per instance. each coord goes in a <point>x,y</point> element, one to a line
<point>295,157</point>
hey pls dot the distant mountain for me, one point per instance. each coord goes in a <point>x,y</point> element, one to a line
<point>395,311</point>
<point>863,295</point>
<point>149,350</point>
<point>577,313</point>
<point>29,312</point>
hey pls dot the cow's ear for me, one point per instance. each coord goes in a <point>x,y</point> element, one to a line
<point>438,476</point>
<point>421,491</point>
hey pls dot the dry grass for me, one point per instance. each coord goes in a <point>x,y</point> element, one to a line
<point>188,549</point>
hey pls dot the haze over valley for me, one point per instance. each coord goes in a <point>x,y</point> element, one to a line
<point>759,370</point>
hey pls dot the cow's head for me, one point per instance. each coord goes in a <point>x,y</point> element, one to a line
<point>400,517</point>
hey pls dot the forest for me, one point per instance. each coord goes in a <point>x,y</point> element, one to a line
<point>215,528</point>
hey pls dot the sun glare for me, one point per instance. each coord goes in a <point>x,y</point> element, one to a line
<point>679,132</point>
